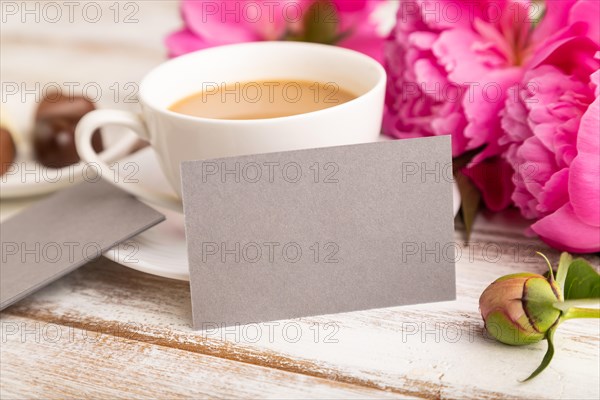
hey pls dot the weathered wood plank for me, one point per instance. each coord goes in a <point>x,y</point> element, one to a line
<point>102,59</point>
<point>434,350</point>
<point>431,351</point>
<point>48,360</point>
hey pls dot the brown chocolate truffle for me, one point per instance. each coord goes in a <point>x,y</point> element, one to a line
<point>8,150</point>
<point>54,132</point>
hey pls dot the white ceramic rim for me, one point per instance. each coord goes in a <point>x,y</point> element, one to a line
<point>145,96</point>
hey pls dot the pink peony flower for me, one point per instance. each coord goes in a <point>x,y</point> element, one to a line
<point>552,125</point>
<point>450,64</point>
<point>345,23</point>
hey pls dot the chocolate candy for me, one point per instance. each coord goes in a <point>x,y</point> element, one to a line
<point>54,132</point>
<point>7,150</point>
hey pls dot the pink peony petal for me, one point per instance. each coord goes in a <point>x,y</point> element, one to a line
<point>226,21</point>
<point>548,44</point>
<point>588,140</point>
<point>555,193</point>
<point>345,6</point>
<point>568,50</point>
<point>584,187</point>
<point>595,78</point>
<point>493,179</point>
<point>483,105</point>
<point>527,89</point>
<point>454,50</point>
<point>422,40</point>
<point>355,15</point>
<point>369,45</point>
<point>584,177</point>
<point>448,14</point>
<point>565,231</point>
<point>500,43</point>
<point>184,41</point>
<point>556,17</point>
<point>452,124</point>
<point>589,12</point>
<point>514,118</point>
<point>430,79</point>
<point>535,164</point>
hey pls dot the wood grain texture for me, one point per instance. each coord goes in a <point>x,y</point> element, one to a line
<point>49,360</point>
<point>147,347</point>
<point>428,351</point>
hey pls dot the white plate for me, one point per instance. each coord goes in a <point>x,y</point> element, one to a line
<point>29,178</point>
<point>161,250</point>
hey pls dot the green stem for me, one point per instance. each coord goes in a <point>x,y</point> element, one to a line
<point>549,265</point>
<point>582,313</point>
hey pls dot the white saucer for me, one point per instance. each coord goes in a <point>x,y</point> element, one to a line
<point>161,250</point>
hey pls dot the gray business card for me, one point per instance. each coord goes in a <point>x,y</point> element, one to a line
<point>64,231</point>
<point>301,233</point>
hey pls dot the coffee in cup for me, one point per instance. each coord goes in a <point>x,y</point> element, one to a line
<point>229,128</point>
<point>262,99</point>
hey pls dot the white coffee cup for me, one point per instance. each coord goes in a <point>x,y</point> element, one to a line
<point>177,137</point>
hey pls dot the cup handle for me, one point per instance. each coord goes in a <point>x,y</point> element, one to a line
<point>83,141</point>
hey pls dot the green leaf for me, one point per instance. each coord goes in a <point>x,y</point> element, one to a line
<point>321,23</point>
<point>470,200</point>
<point>471,197</point>
<point>563,267</point>
<point>548,356</point>
<point>582,281</point>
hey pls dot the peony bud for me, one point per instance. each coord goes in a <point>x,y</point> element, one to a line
<point>525,308</point>
<point>518,309</point>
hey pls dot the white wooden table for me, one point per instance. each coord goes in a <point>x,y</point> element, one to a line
<point>106,331</point>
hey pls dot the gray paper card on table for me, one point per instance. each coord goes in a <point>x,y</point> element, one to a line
<point>63,232</point>
<point>319,231</point>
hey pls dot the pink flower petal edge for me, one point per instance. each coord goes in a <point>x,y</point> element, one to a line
<point>565,231</point>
